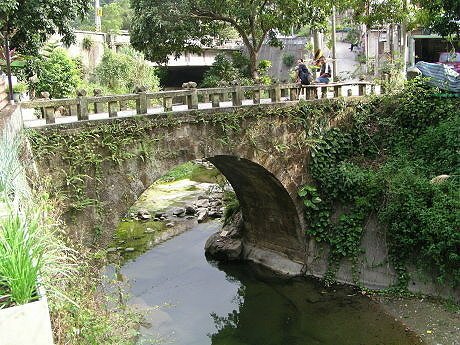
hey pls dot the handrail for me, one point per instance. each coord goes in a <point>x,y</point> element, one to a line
<point>189,96</point>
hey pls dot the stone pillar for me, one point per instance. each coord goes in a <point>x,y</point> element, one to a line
<point>167,103</point>
<point>237,96</point>
<point>276,94</point>
<point>215,99</point>
<point>113,109</point>
<point>337,90</point>
<point>46,96</point>
<point>98,107</point>
<point>294,94</point>
<point>192,99</point>
<point>310,92</point>
<point>49,115</point>
<point>82,107</point>
<point>256,96</point>
<point>141,102</point>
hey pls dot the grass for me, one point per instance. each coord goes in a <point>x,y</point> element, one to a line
<point>192,171</point>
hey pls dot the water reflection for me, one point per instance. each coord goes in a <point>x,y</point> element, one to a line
<point>274,311</point>
<point>242,304</point>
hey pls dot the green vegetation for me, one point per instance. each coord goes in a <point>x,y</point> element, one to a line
<point>381,164</point>
<point>121,72</point>
<point>225,71</point>
<point>58,74</point>
<point>164,27</point>
<point>192,171</point>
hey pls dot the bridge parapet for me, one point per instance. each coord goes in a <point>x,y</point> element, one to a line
<point>45,111</point>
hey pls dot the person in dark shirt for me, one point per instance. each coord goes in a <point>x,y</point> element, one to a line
<point>303,74</point>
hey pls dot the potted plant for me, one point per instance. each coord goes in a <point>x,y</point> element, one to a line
<point>20,92</point>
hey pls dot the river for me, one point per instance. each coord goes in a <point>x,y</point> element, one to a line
<point>193,301</point>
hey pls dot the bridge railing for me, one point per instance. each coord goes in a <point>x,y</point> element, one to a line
<point>141,102</point>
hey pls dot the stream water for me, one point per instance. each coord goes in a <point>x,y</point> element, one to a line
<point>193,301</point>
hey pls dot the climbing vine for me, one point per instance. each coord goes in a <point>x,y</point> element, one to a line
<point>382,162</point>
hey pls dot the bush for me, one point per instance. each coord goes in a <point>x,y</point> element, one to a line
<point>288,60</point>
<point>121,72</point>
<point>58,74</point>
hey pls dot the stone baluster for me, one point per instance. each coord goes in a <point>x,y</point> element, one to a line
<point>46,96</point>
<point>205,98</point>
<point>276,93</point>
<point>323,91</point>
<point>337,90</point>
<point>237,94</point>
<point>113,109</point>
<point>82,107</point>
<point>294,94</point>
<point>98,107</point>
<point>310,92</point>
<point>215,100</point>
<point>141,102</point>
<point>192,99</point>
<point>168,103</point>
<point>256,96</point>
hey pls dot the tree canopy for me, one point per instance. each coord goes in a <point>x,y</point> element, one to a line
<point>163,27</point>
<point>442,16</point>
<point>28,23</point>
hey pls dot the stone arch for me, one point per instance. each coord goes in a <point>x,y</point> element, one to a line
<point>270,217</point>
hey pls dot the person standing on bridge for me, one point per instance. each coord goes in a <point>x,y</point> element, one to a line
<point>304,76</point>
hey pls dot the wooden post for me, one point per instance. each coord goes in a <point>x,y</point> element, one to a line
<point>82,107</point>
<point>215,100</point>
<point>168,103</point>
<point>49,115</point>
<point>141,102</point>
<point>337,90</point>
<point>98,107</point>
<point>113,109</point>
<point>256,96</point>
<point>237,96</point>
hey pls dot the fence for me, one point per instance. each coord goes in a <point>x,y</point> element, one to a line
<point>189,97</point>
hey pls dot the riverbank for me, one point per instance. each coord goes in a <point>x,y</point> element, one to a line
<point>433,321</point>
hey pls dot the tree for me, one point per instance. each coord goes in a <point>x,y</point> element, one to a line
<point>163,27</point>
<point>28,23</point>
<point>442,16</point>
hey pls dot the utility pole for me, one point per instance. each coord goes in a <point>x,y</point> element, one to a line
<point>334,56</point>
<point>98,14</point>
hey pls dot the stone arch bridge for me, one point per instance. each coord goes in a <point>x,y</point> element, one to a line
<point>102,166</point>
